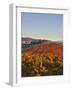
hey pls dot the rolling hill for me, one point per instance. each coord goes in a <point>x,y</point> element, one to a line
<point>43,47</point>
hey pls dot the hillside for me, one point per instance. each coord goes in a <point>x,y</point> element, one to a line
<point>51,49</point>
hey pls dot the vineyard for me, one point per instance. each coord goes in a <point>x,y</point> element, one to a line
<point>41,65</point>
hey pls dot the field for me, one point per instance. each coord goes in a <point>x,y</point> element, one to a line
<point>41,57</point>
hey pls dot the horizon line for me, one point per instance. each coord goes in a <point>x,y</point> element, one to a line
<point>42,39</point>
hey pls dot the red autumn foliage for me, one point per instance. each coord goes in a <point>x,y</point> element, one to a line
<point>52,49</point>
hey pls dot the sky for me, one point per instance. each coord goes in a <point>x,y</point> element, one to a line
<point>42,26</point>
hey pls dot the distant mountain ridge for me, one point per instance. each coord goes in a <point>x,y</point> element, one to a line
<point>27,40</point>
